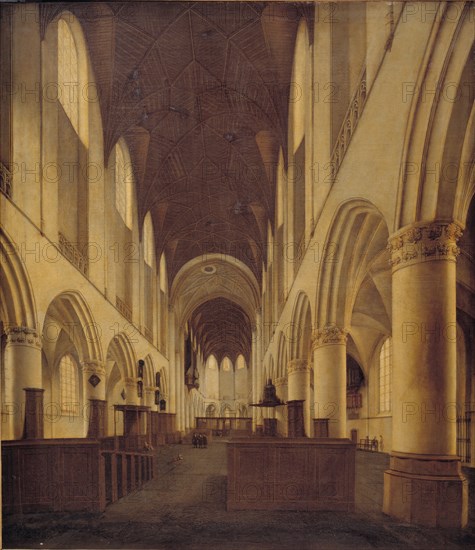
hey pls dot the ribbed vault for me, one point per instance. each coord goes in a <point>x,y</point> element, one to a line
<point>223,329</point>
<point>199,91</point>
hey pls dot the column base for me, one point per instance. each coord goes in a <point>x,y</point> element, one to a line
<point>426,490</point>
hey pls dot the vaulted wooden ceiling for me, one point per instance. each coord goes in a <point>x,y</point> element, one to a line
<point>222,329</point>
<point>199,91</point>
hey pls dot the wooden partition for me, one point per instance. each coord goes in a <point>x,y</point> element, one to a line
<point>163,426</point>
<point>62,475</point>
<point>225,426</point>
<point>53,475</point>
<point>291,474</point>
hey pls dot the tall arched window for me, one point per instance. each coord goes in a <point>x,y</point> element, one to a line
<point>227,365</point>
<point>298,117</point>
<point>240,363</point>
<point>211,363</point>
<point>163,302</point>
<point>149,276</point>
<point>148,251</point>
<point>70,145</point>
<point>385,375</point>
<point>68,379</point>
<point>280,265</point>
<point>123,184</point>
<point>68,79</point>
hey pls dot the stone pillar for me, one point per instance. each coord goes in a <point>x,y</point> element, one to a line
<point>94,384</point>
<point>180,420</point>
<point>329,360</point>
<point>424,484</point>
<point>255,397</point>
<point>172,400</point>
<point>22,372</point>
<point>260,412</point>
<point>131,394</point>
<point>298,374</point>
<point>149,401</point>
<point>281,412</point>
<point>259,345</point>
<point>149,397</point>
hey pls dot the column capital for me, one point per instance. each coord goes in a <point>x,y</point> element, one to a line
<point>93,366</point>
<point>424,241</point>
<point>330,334</point>
<point>23,336</point>
<point>282,381</point>
<point>297,365</point>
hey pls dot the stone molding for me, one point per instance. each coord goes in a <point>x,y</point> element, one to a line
<point>23,336</point>
<point>297,365</point>
<point>424,242</point>
<point>92,366</point>
<point>330,334</point>
<point>427,465</point>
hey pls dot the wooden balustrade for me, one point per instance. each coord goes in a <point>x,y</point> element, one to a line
<point>225,426</point>
<point>123,308</point>
<point>6,185</point>
<point>348,127</point>
<point>71,252</point>
<point>125,472</point>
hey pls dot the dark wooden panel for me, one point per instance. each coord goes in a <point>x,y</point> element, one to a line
<point>298,474</point>
<point>55,475</point>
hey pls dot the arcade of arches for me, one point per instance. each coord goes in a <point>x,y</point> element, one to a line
<point>199,197</point>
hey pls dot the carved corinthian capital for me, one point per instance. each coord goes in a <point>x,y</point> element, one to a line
<point>424,242</point>
<point>330,334</point>
<point>23,336</point>
<point>297,365</point>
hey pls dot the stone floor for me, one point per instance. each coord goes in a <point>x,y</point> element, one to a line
<point>184,507</point>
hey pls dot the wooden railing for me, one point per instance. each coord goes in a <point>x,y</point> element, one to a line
<point>148,334</point>
<point>125,472</point>
<point>6,185</point>
<point>223,425</point>
<point>299,252</point>
<point>463,437</point>
<point>59,475</point>
<point>368,445</point>
<point>123,308</point>
<point>353,114</point>
<point>70,251</point>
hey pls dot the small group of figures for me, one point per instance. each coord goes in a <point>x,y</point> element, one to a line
<point>374,444</point>
<point>200,441</point>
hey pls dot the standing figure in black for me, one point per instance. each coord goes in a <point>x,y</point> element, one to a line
<point>194,440</point>
<point>205,441</point>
